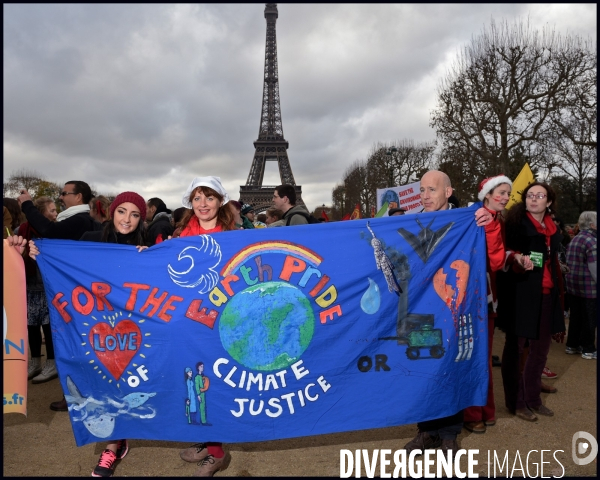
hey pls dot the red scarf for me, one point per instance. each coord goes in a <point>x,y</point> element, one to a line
<point>550,230</point>
<point>193,228</point>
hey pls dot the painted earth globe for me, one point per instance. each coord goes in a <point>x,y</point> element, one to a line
<point>267,326</point>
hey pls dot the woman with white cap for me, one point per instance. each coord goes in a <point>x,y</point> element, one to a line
<point>208,213</point>
<point>494,192</point>
<point>205,201</point>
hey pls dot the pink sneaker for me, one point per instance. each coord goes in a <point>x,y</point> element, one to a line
<point>106,464</point>
<point>547,373</point>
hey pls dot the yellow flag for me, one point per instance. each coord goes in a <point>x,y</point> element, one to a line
<point>524,178</point>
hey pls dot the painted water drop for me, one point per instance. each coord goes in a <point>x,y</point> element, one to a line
<point>371,299</point>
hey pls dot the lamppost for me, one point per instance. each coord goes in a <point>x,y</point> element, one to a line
<point>390,151</point>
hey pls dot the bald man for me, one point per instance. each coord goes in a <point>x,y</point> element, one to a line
<point>436,190</point>
<point>442,432</point>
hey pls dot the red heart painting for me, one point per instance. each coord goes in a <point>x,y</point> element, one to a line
<point>115,346</point>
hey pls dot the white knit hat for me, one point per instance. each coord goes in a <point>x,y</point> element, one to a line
<point>488,184</point>
<point>211,182</point>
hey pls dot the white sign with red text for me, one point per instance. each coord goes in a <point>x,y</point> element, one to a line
<point>406,196</point>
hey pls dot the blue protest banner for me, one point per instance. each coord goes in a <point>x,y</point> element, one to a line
<point>271,333</point>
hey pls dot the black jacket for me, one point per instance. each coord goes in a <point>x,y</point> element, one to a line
<point>96,236</point>
<point>520,294</point>
<point>71,228</point>
<point>159,226</point>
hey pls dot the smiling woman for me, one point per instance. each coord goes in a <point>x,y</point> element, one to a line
<point>205,200</point>
<point>128,212</point>
<point>208,213</point>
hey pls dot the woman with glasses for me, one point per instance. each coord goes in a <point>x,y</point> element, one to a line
<point>531,299</point>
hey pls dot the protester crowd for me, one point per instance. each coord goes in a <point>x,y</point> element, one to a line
<point>536,276</point>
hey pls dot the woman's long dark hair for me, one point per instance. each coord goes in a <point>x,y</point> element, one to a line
<point>224,214</point>
<point>516,214</point>
<point>14,209</point>
<point>137,237</point>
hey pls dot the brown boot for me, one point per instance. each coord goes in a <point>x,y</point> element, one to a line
<point>195,453</point>
<point>475,427</point>
<point>60,406</point>
<point>526,414</point>
<point>449,446</point>
<point>211,465</point>
<point>423,442</point>
<point>548,388</point>
<point>543,410</point>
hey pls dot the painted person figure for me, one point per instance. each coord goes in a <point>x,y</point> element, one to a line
<point>201,382</point>
<point>190,402</point>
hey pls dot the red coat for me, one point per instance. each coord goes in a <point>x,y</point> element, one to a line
<point>497,257</point>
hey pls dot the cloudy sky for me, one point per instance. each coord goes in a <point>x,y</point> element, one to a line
<point>146,97</point>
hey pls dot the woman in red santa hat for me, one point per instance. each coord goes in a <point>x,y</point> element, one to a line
<point>494,192</point>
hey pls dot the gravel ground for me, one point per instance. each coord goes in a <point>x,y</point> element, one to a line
<point>43,445</point>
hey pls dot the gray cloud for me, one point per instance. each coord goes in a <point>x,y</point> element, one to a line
<point>145,97</point>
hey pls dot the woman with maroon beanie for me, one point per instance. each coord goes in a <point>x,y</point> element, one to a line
<point>128,212</point>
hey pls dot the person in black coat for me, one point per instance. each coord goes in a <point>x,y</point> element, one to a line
<point>160,222</point>
<point>72,222</point>
<point>530,300</point>
<point>128,212</point>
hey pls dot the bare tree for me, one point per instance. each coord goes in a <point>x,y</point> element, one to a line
<point>357,183</point>
<point>338,200</point>
<point>573,138</point>
<point>33,182</point>
<point>503,89</point>
<point>400,162</point>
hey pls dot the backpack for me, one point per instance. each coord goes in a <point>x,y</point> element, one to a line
<point>309,218</point>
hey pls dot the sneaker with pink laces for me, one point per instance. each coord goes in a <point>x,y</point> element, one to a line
<point>547,373</point>
<point>106,464</point>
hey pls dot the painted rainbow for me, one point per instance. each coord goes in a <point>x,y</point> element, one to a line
<point>270,247</point>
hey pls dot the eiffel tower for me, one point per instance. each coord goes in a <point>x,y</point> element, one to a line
<point>271,146</point>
